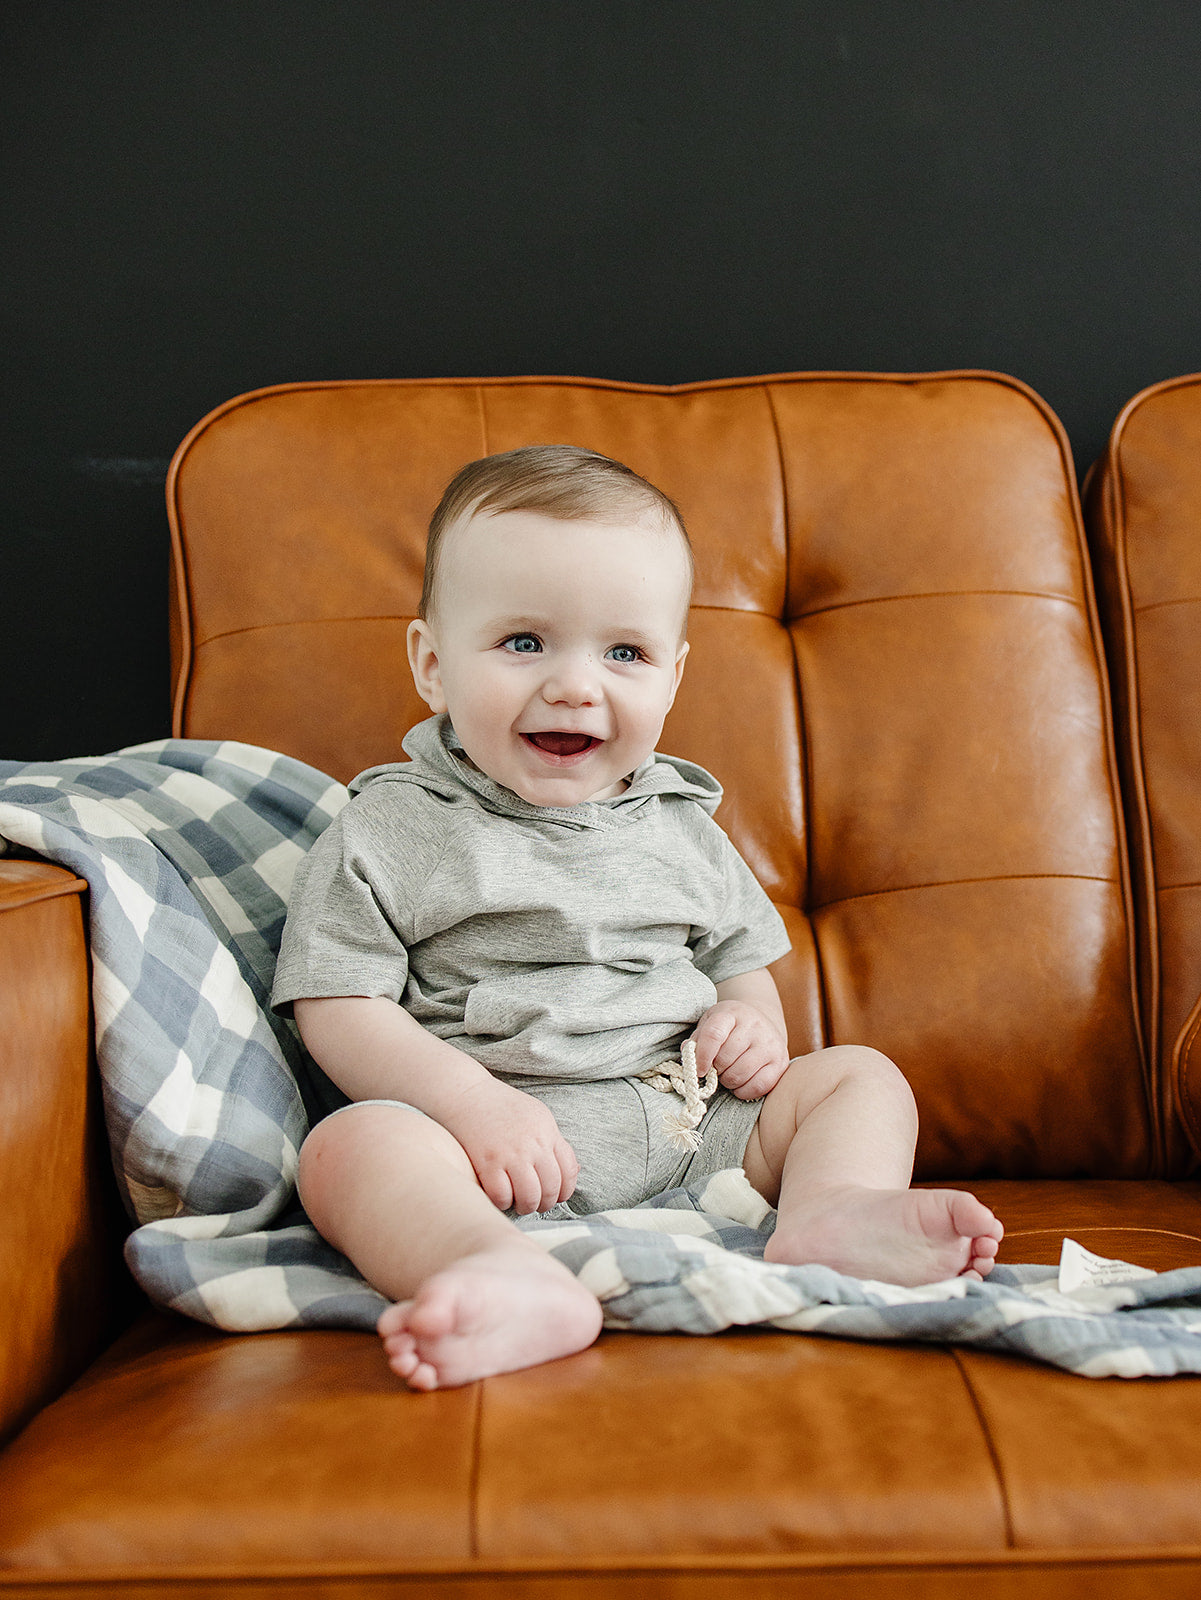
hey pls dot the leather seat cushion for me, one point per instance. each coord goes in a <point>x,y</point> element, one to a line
<point>186,1452</point>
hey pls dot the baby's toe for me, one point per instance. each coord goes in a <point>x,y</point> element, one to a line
<point>423,1376</point>
<point>435,1313</point>
<point>984,1256</point>
<point>394,1319</point>
<point>402,1355</point>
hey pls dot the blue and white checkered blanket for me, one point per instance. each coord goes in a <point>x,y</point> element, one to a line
<point>189,849</point>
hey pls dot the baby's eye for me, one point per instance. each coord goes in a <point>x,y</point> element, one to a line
<point>625,654</point>
<point>522,644</point>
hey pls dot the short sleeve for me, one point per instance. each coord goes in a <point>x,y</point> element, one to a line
<point>748,932</point>
<point>350,917</point>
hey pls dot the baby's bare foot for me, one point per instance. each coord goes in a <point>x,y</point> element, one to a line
<point>493,1312</point>
<point>903,1236</point>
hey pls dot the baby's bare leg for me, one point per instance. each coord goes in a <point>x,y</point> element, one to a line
<point>472,1294</point>
<point>833,1148</point>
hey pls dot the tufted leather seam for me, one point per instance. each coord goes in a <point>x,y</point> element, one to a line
<point>1162,605</point>
<point>802,737</point>
<point>406,617</point>
<point>308,622</point>
<point>29,892</point>
<point>307,1578</point>
<point>28,895</point>
<point>483,411</point>
<point>779,438</point>
<point>1098,1227</point>
<point>955,883</point>
<point>940,594</point>
<point>1183,1064</point>
<point>989,1445</point>
<point>473,1485</point>
<point>1140,833</point>
<point>181,589</point>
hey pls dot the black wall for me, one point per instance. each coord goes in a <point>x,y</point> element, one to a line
<point>204,197</point>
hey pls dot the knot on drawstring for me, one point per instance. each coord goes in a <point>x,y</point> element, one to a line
<point>680,1078</point>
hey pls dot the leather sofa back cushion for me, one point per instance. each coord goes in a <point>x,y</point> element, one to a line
<point>1145,505</point>
<point>894,672</point>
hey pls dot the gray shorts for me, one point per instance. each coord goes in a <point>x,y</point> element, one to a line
<point>615,1127</point>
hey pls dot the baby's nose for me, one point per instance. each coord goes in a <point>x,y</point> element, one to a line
<point>575,682</point>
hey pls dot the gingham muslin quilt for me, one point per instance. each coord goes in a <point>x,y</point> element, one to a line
<point>189,848</point>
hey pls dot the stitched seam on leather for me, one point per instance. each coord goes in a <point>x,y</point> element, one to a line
<point>1142,836</point>
<point>1184,1103</point>
<point>989,1445</point>
<point>406,617</point>
<point>1183,1063</point>
<point>802,737</point>
<point>955,883</point>
<point>29,893</point>
<point>1098,1227</point>
<point>941,594</point>
<point>303,622</point>
<point>298,1578</point>
<point>184,599</point>
<point>1162,605</point>
<point>479,400</point>
<point>739,611</point>
<point>775,426</point>
<point>473,1487</point>
<point>1126,836</point>
<point>1170,888</point>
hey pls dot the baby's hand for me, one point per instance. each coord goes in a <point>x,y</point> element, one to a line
<point>745,1047</point>
<point>520,1157</point>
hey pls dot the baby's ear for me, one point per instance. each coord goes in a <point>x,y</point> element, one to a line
<point>423,663</point>
<point>680,658</point>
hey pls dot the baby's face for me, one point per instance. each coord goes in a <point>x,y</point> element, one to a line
<point>556,648</point>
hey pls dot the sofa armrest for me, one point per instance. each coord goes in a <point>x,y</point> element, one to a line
<point>60,1264</point>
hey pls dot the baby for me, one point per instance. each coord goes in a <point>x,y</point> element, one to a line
<point>498,944</point>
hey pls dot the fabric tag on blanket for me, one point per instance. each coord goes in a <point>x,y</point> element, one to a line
<point>1081,1269</point>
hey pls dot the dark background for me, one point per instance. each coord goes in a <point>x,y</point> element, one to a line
<point>205,196</point>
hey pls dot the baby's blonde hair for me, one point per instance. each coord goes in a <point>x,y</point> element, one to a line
<point>559,480</point>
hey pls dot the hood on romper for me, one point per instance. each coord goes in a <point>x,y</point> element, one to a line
<point>438,763</point>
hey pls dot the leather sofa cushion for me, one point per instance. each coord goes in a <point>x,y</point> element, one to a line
<point>1145,508</point>
<point>187,1452</point>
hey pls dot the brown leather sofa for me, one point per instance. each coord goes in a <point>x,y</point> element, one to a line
<point>987,844</point>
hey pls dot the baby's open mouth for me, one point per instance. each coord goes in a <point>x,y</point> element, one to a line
<point>562,744</point>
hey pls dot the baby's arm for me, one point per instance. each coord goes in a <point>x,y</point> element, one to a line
<point>373,1049</point>
<point>744,1035</point>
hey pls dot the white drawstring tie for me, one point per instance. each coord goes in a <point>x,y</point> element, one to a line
<point>680,1077</point>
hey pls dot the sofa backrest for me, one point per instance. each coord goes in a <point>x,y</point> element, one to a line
<point>1145,523</point>
<point>895,673</point>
